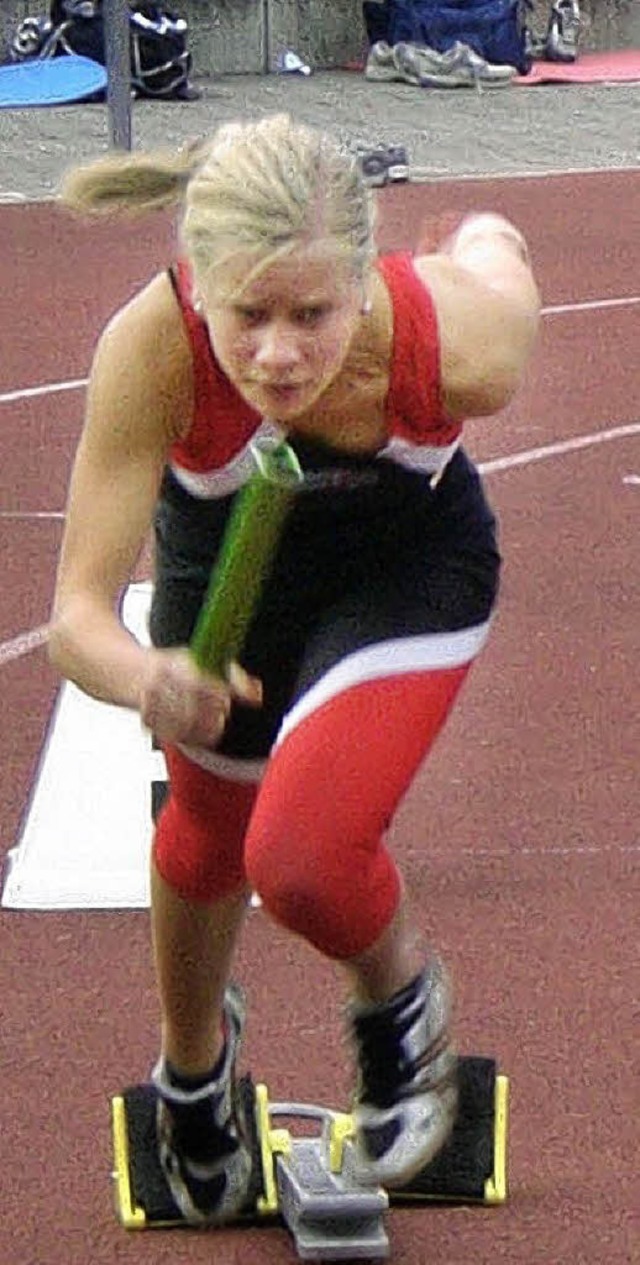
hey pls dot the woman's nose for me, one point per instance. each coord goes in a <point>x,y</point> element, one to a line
<point>278,347</point>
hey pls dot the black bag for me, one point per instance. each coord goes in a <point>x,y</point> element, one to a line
<point>160,60</point>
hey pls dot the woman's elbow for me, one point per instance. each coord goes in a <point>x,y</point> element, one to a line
<point>489,392</point>
<point>58,641</point>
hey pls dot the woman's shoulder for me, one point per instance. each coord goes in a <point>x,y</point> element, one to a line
<point>144,349</point>
<point>152,312</point>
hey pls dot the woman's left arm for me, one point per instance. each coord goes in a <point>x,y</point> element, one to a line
<point>488,309</point>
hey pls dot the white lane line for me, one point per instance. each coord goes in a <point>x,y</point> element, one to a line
<point>502,177</point>
<point>557,309</point>
<point>591,305</point>
<point>24,643</point>
<point>555,450</point>
<point>48,388</point>
<point>33,514</point>
<point>491,466</point>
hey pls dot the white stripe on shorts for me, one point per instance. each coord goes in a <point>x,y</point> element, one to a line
<point>427,652</point>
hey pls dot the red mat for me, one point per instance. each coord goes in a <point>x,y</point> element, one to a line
<point>620,65</point>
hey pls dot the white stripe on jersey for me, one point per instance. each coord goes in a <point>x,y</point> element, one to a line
<point>425,458</point>
<point>225,480</point>
<point>428,652</point>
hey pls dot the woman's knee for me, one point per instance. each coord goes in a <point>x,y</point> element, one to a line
<point>339,894</point>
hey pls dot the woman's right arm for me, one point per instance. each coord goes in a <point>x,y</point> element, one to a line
<point>140,394</point>
<point>139,389</point>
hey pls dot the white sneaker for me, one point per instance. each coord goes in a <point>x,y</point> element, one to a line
<point>459,67</point>
<point>406,1099</point>
<point>382,66</point>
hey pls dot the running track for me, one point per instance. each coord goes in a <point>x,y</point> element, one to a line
<point>520,841</point>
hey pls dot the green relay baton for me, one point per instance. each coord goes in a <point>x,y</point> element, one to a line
<point>248,548</point>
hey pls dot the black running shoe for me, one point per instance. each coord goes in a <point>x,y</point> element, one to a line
<point>406,1098</point>
<point>208,1169</point>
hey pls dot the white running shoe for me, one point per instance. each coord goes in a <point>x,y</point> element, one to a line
<point>459,67</point>
<point>209,1177</point>
<point>406,1099</point>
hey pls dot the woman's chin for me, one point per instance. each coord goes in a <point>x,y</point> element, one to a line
<point>283,403</point>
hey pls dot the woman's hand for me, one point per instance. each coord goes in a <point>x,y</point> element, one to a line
<point>179,703</point>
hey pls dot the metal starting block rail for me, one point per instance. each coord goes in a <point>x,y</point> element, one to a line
<point>311,1183</point>
<point>307,1179</point>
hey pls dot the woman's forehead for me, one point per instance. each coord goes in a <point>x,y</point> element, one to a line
<point>319,270</point>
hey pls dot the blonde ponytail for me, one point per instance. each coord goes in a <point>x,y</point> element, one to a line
<point>132,182</point>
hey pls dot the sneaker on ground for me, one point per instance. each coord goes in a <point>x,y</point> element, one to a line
<point>458,67</point>
<point>563,32</point>
<point>406,1098</point>
<point>382,66</point>
<point>209,1178</point>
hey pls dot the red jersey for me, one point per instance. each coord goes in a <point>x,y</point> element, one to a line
<point>214,458</point>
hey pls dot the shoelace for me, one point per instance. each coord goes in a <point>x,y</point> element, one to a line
<point>388,1072</point>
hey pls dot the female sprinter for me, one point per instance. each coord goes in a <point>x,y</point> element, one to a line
<point>279,320</point>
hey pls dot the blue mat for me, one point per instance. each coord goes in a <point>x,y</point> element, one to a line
<point>50,81</point>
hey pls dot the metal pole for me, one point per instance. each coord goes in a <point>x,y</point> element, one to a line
<point>266,36</point>
<point>118,60</point>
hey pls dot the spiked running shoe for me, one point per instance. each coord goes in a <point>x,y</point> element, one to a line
<point>406,1098</point>
<point>208,1171</point>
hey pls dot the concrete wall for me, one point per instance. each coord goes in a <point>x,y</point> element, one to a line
<point>245,36</point>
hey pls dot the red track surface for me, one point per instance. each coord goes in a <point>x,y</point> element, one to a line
<point>520,840</point>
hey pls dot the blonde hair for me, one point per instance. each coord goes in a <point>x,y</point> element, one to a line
<point>266,186</point>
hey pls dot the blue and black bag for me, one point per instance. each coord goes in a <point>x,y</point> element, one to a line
<point>497,30</point>
<point>160,60</point>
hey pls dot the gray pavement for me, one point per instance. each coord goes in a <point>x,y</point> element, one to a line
<point>447,132</point>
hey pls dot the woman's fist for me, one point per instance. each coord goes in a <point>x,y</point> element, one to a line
<point>180,703</point>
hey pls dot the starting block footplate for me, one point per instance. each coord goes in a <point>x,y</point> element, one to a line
<point>291,1180</point>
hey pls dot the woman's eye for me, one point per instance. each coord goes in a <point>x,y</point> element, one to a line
<point>310,315</point>
<point>251,315</point>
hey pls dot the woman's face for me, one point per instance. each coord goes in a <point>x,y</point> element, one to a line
<point>282,337</point>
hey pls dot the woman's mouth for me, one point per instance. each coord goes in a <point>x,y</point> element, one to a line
<point>283,391</point>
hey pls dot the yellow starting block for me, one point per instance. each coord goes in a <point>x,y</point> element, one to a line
<point>308,1182</point>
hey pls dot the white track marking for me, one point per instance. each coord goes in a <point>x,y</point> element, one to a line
<point>544,173</point>
<point>23,644</point>
<point>591,305</point>
<point>491,466</point>
<point>48,388</point>
<point>30,515</point>
<point>441,175</point>
<point>556,450</point>
<point>557,309</point>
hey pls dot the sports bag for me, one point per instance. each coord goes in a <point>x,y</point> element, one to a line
<point>160,61</point>
<point>497,30</point>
